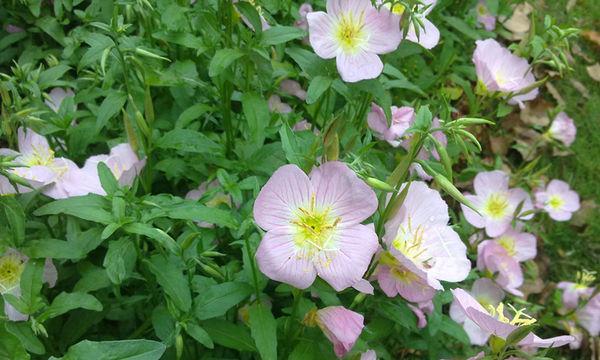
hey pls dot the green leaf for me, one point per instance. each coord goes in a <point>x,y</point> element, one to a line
<point>308,61</point>
<point>462,27</point>
<point>89,207</point>
<point>290,145</point>
<point>10,346</point>
<point>217,299</point>
<point>169,275</point>
<point>107,179</point>
<point>163,239</point>
<point>181,38</point>
<point>15,216</point>
<point>251,14</point>
<point>229,335</point>
<point>111,106</point>
<point>423,119</point>
<point>31,284</point>
<point>49,76</point>
<point>98,45</point>
<point>280,34</point>
<point>199,334</point>
<point>115,350</point>
<point>450,327</point>
<point>120,260</point>
<point>66,302</point>
<point>52,248</point>
<point>23,332</point>
<point>164,325</point>
<point>256,111</point>
<point>188,141</point>
<point>519,334</point>
<point>398,312</point>
<point>191,210</point>
<point>222,60</point>
<point>263,328</point>
<point>317,87</point>
<point>51,27</point>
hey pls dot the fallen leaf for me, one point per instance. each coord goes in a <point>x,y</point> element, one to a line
<point>580,88</point>
<point>519,23</point>
<point>579,52</point>
<point>594,71</point>
<point>500,144</point>
<point>536,113</point>
<point>592,36</point>
<point>555,94</point>
<point>585,213</point>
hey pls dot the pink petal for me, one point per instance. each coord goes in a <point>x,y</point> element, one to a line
<point>429,35</point>
<point>321,27</point>
<point>489,182</point>
<point>359,66</point>
<point>341,326</point>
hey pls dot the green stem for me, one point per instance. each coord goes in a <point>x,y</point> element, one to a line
<point>253,267</point>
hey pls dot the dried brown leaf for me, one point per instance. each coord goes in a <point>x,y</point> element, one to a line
<point>555,94</point>
<point>519,23</point>
<point>592,36</point>
<point>536,113</point>
<point>594,71</point>
<point>578,85</point>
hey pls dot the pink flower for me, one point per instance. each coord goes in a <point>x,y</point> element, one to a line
<point>494,320</point>
<point>368,355</point>
<point>496,203</point>
<point>304,10</point>
<point>576,333</point>
<point>426,249</point>
<point>402,119</point>
<point>12,264</point>
<point>572,292</point>
<point>589,316</point>
<point>485,292</point>
<point>429,35</point>
<point>519,245</point>
<point>394,278</point>
<point>57,95</point>
<point>420,310</point>
<point>12,29</point>
<point>498,70</point>
<point>495,258</point>
<point>341,326</point>
<point>313,226</point>
<point>354,32</point>
<point>278,106</point>
<point>563,129</point>
<point>558,200</point>
<point>302,125</point>
<point>484,17</point>
<point>294,88</point>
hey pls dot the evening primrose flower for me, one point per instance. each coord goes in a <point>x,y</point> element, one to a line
<point>12,264</point>
<point>341,326</point>
<point>496,203</point>
<point>420,310</point>
<point>498,70</point>
<point>487,293</point>
<point>428,35</point>
<point>368,355</point>
<point>492,256</point>
<point>563,129</point>
<point>495,320</point>
<point>484,16</point>
<point>303,10</point>
<point>589,316</point>
<point>519,245</point>
<point>558,200</point>
<point>354,32</point>
<point>56,97</point>
<point>581,289</point>
<point>292,87</point>
<point>419,238</point>
<point>396,279</point>
<point>402,119</point>
<point>278,106</point>
<point>313,226</point>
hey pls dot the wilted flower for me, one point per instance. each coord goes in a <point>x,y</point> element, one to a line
<point>494,257</point>
<point>484,17</point>
<point>402,119</point>
<point>496,203</point>
<point>303,10</point>
<point>294,88</point>
<point>558,200</point>
<point>313,226</point>
<point>302,125</point>
<point>278,106</point>
<point>354,32</point>
<point>341,326</point>
<point>12,264</point>
<point>486,293</point>
<point>573,291</point>
<point>57,95</point>
<point>589,316</point>
<point>563,129</point>
<point>498,70</point>
<point>423,249</point>
<point>575,332</point>
<point>495,320</point>
<point>420,310</point>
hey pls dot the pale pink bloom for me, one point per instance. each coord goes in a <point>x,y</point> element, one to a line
<point>576,333</point>
<point>304,10</point>
<point>495,258</point>
<point>368,355</point>
<point>402,119</point>
<point>429,35</point>
<point>12,29</point>
<point>420,240</point>
<point>496,203</point>
<point>302,125</point>
<point>484,17</point>
<point>354,32</point>
<point>341,326</point>
<point>57,95</point>
<point>313,226</point>
<point>278,106</point>
<point>519,245</point>
<point>496,321</point>
<point>572,292</point>
<point>364,286</point>
<point>264,24</point>
<point>420,310</point>
<point>294,88</point>
<point>12,264</point>
<point>563,129</point>
<point>558,200</point>
<point>589,316</point>
<point>395,278</point>
<point>487,293</point>
<point>501,71</point>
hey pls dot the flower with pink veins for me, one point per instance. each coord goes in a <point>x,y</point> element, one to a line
<point>495,321</point>
<point>484,17</point>
<point>495,258</point>
<point>589,316</point>
<point>486,293</point>
<point>496,203</point>
<point>573,291</point>
<point>341,326</point>
<point>313,226</point>
<point>354,32</point>
<point>402,119</point>
<point>426,249</point>
<point>498,70</point>
<point>563,129</point>
<point>558,200</point>
<point>519,245</point>
<point>56,97</point>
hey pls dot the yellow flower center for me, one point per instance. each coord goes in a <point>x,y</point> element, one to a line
<point>43,157</point>
<point>398,271</point>
<point>519,317</point>
<point>11,267</point>
<point>350,32</point>
<point>314,228</point>
<point>409,242</point>
<point>585,279</point>
<point>481,10</point>
<point>508,243</point>
<point>496,206</point>
<point>556,202</point>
